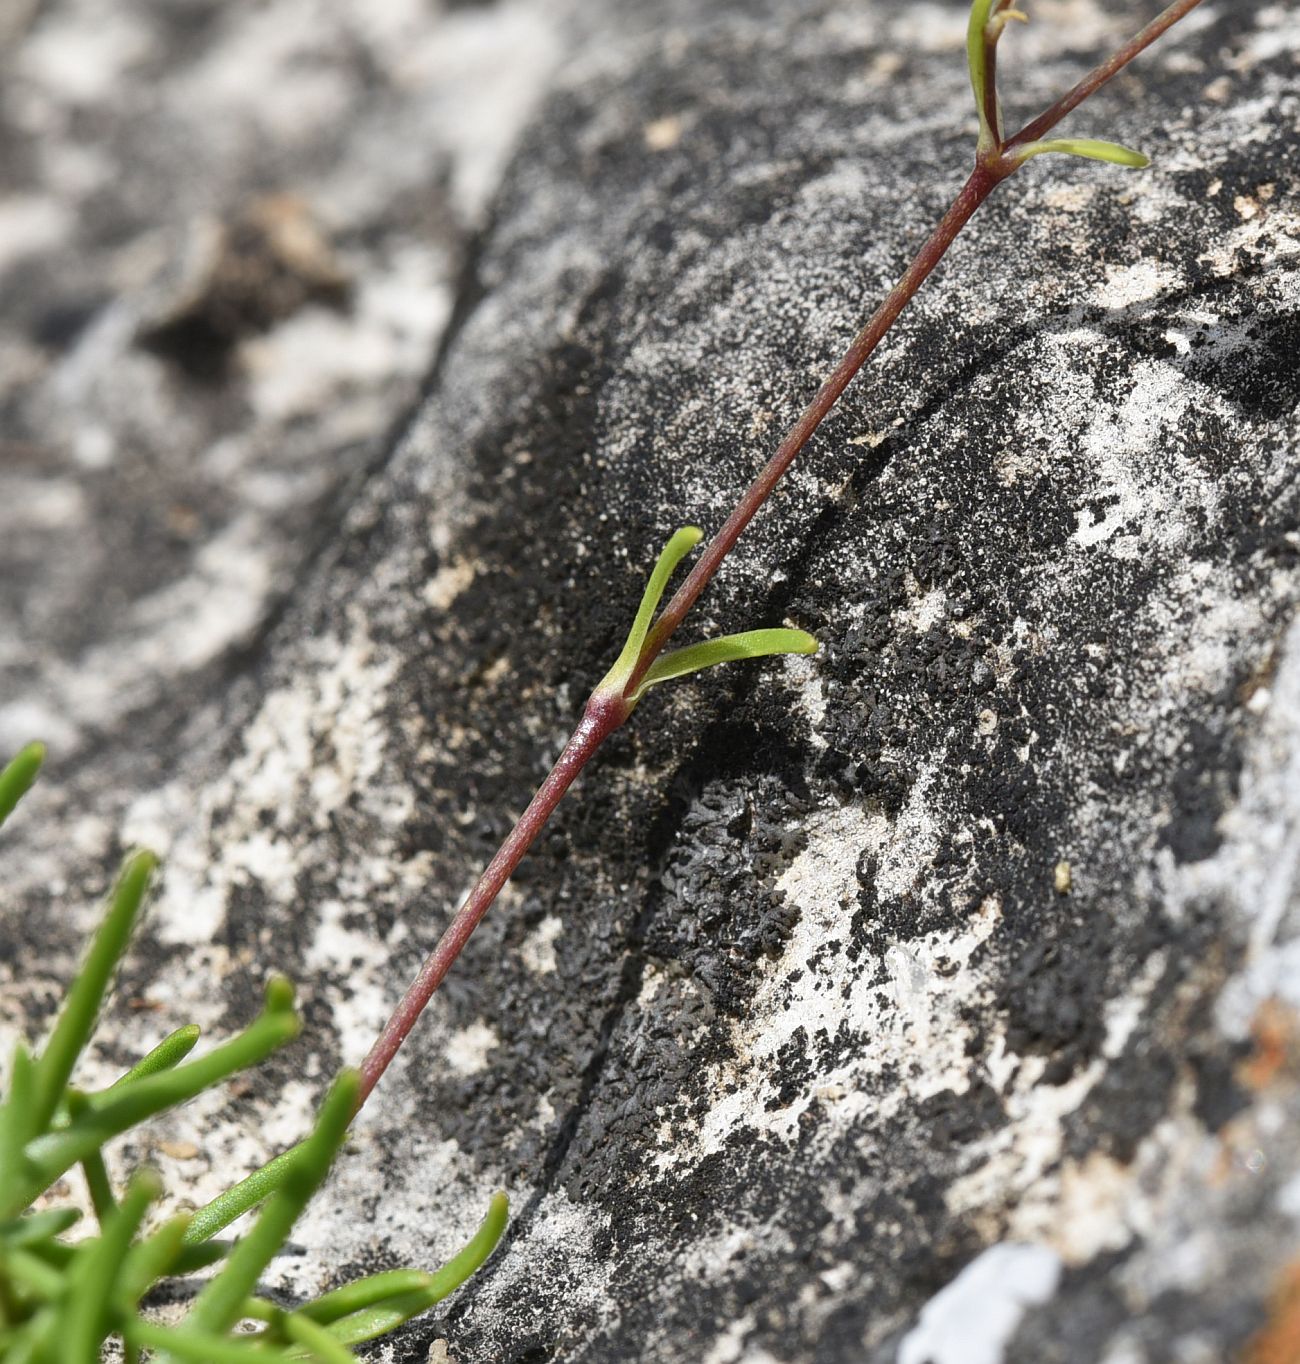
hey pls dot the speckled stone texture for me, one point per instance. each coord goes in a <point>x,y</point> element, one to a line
<point>932,1001</point>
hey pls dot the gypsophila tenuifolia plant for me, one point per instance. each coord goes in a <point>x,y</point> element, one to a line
<point>64,1295</point>
<point>643,662</point>
<point>47,1285</point>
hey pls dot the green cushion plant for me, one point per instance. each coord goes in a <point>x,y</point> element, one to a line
<point>63,1295</point>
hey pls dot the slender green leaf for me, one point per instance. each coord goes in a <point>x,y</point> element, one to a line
<point>92,1165</point>
<point>32,1342</point>
<point>171,1051</point>
<point>116,1110</point>
<point>217,1308</point>
<point>201,1256</point>
<point>194,1347</point>
<point>987,20</point>
<point>16,1121</point>
<point>363,1293</point>
<point>35,1274</point>
<point>320,1344</point>
<point>151,1259</point>
<point>239,1198</point>
<point>387,1316</point>
<point>99,1186</point>
<point>728,649</point>
<point>977,61</point>
<point>261,1309</point>
<point>86,995</point>
<point>38,1226</point>
<point>59,1254</point>
<point>1090,148</point>
<point>88,1314</point>
<point>17,776</point>
<point>677,548</point>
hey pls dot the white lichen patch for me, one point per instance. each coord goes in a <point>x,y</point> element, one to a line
<point>280,793</point>
<point>467,1049</point>
<point>1149,504</point>
<point>923,611</point>
<point>538,948</point>
<point>809,686</point>
<point>915,1025</point>
<point>1130,284</point>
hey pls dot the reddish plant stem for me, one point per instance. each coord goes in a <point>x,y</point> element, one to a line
<point>605,712</point>
<point>602,716</point>
<point>981,184</point>
<point>1099,75</point>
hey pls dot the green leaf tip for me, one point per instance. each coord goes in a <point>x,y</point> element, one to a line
<point>17,776</point>
<point>170,1052</point>
<point>987,20</point>
<point>393,1310</point>
<point>728,649</point>
<point>279,995</point>
<point>678,547</point>
<point>681,662</point>
<point>87,992</point>
<point>1089,148</point>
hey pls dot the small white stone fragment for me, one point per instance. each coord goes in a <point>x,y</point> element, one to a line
<point>1288,1198</point>
<point>972,1320</point>
<point>467,1050</point>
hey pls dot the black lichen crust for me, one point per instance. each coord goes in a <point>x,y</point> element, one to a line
<point>985,660</point>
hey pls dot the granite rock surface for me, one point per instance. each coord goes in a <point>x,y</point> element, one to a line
<point>935,1000</point>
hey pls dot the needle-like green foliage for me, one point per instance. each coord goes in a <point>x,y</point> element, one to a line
<point>18,776</point>
<point>62,1300</point>
<point>238,1199</point>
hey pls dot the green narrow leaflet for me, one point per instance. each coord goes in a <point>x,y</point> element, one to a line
<point>60,1300</point>
<point>988,18</point>
<point>693,657</point>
